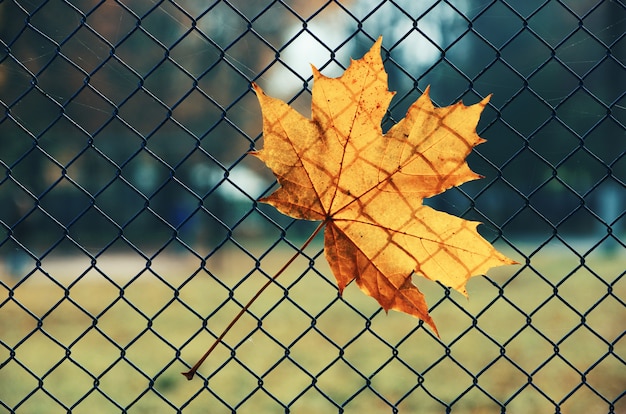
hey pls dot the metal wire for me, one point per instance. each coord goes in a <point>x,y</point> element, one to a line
<point>124,139</point>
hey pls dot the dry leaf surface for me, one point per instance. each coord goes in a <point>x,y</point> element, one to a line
<point>368,188</point>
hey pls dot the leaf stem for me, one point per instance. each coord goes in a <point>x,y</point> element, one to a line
<point>190,374</point>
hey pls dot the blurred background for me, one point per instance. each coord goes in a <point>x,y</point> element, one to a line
<point>125,128</point>
<point>106,114</point>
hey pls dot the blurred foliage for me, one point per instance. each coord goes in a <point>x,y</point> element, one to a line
<point>127,123</point>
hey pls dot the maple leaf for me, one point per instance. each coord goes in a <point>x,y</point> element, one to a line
<point>368,188</point>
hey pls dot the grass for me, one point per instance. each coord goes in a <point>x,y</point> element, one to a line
<point>117,337</point>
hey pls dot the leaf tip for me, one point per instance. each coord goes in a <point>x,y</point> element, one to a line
<point>374,54</point>
<point>486,100</point>
<point>432,325</point>
<point>378,43</point>
<point>257,89</point>
<point>316,72</point>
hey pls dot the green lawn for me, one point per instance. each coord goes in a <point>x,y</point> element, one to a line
<point>108,345</point>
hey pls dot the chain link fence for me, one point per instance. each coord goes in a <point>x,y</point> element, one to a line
<point>131,234</point>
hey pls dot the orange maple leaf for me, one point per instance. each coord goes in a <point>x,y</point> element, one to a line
<point>368,188</point>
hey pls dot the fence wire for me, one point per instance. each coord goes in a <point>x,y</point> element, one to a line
<point>131,232</point>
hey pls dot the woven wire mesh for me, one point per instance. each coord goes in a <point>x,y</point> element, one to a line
<point>131,233</point>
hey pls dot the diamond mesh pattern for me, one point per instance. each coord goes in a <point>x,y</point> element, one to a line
<point>130,231</point>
